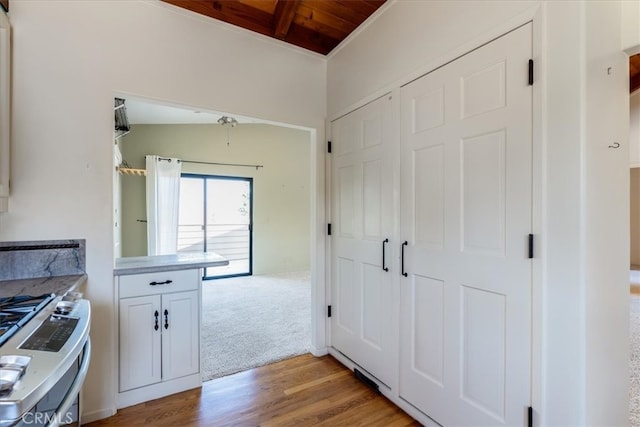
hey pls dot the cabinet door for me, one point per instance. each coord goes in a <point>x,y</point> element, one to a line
<point>140,342</point>
<point>180,334</point>
<point>466,214</point>
<point>364,160</point>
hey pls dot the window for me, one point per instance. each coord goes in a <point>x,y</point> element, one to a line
<point>216,216</point>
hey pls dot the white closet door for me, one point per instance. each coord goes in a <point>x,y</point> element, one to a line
<point>466,165</point>
<point>362,203</point>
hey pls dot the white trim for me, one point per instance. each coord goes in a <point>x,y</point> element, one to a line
<point>493,34</point>
<point>90,417</point>
<point>155,391</point>
<point>319,352</point>
<point>537,191</point>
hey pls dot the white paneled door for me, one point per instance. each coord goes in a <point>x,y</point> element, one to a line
<point>466,202</point>
<point>363,225</point>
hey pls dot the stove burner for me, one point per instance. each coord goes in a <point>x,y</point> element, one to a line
<point>18,310</point>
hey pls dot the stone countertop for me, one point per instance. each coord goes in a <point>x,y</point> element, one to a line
<point>152,264</point>
<point>41,285</point>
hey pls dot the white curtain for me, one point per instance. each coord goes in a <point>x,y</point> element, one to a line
<point>163,197</point>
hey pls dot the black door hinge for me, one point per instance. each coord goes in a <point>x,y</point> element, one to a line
<point>329,229</point>
<point>328,146</point>
<point>530,246</point>
<point>531,72</point>
<point>530,417</point>
<point>328,311</point>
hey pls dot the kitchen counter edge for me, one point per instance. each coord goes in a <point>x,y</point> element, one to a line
<point>152,264</point>
<point>58,285</point>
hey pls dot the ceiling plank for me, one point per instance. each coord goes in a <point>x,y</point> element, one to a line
<point>233,12</point>
<point>634,83</point>
<point>348,12</point>
<point>317,25</point>
<point>321,22</point>
<point>308,39</point>
<point>283,16</point>
<point>634,72</point>
<point>268,6</point>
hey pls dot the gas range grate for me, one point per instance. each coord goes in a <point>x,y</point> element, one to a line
<point>18,310</point>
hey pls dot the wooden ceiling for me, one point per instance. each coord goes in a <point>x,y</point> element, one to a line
<point>316,25</point>
<point>634,72</point>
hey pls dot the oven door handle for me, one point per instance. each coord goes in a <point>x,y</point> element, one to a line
<point>75,387</point>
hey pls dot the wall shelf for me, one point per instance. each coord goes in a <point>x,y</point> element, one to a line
<point>131,171</point>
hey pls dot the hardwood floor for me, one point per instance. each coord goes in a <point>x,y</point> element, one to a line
<point>303,391</point>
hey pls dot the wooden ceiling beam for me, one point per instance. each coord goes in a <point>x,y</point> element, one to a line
<point>283,17</point>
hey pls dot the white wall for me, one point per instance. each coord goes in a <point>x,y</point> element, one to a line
<point>407,38</point>
<point>69,59</point>
<point>582,202</point>
<point>606,211</point>
<point>281,196</point>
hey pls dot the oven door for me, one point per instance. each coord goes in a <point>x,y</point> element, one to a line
<point>60,406</point>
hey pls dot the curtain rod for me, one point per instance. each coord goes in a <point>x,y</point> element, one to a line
<point>216,164</point>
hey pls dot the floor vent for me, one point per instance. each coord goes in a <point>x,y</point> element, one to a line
<point>367,381</point>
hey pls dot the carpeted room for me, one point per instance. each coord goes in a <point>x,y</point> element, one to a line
<point>257,319</point>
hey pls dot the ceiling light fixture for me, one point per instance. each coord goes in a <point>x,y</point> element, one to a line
<point>226,120</point>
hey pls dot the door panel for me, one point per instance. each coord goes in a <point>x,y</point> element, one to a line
<point>140,342</point>
<point>180,339</point>
<point>466,144</point>
<point>362,215</point>
<point>427,341</point>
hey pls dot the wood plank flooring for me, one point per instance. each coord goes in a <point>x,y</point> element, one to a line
<point>303,391</point>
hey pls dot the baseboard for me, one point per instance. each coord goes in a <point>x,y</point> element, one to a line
<point>90,417</point>
<point>155,391</point>
<point>318,352</point>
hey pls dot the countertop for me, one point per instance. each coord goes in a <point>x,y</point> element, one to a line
<point>152,264</point>
<point>41,285</point>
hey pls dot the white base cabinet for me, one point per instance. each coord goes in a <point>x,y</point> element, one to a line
<point>159,335</point>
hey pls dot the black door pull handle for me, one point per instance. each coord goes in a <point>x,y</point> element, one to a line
<point>166,282</point>
<point>166,319</point>
<point>384,244</point>
<point>404,273</point>
<point>156,314</point>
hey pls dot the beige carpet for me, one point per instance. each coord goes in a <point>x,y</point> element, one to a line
<point>254,320</point>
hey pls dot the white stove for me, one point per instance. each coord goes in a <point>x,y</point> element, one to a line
<point>43,358</point>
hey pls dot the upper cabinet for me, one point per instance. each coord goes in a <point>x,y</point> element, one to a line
<point>5,105</point>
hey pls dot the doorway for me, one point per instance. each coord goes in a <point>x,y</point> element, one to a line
<point>216,215</point>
